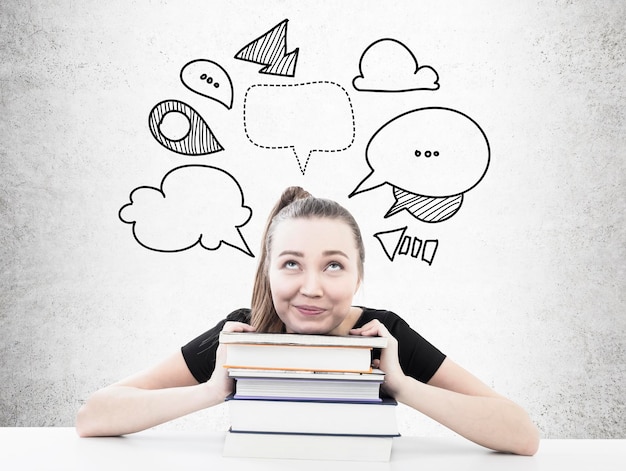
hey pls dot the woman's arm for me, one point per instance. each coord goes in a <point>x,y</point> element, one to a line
<point>458,400</point>
<point>150,398</point>
<point>160,394</point>
<point>461,402</point>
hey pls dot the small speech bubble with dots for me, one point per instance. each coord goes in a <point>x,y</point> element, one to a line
<point>209,79</point>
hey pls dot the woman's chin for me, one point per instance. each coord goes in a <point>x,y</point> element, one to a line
<point>308,329</point>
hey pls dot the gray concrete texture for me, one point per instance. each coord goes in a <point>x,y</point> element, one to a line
<point>527,287</point>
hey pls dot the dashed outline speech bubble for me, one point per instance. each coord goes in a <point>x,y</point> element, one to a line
<point>194,205</point>
<point>268,131</point>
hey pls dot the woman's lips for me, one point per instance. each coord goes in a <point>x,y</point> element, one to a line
<point>310,310</point>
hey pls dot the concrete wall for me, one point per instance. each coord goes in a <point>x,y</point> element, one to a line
<point>526,288</point>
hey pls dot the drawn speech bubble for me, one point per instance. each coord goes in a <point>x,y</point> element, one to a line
<point>209,79</point>
<point>195,205</point>
<point>436,152</point>
<point>305,117</point>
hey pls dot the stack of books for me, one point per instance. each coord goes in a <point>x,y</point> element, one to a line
<point>307,397</point>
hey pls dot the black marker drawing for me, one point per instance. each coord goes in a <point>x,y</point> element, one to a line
<point>191,136</point>
<point>270,50</point>
<point>209,79</point>
<point>395,242</point>
<point>431,157</point>
<point>194,205</point>
<point>387,65</point>
<point>425,208</point>
<point>305,117</point>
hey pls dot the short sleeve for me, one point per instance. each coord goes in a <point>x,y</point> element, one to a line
<point>199,354</point>
<point>418,357</point>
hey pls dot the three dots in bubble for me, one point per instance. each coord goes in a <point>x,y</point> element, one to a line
<point>209,80</point>
<point>427,154</point>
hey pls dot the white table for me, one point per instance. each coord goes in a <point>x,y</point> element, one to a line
<point>55,448</point>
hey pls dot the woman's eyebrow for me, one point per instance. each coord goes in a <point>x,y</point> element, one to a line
<point>326,253</point>
<point>293,253</point>
<point>329,253</point>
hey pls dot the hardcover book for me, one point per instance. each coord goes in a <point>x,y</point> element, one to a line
<point>306,385</point>
<point>307,447</point>
<point>303,339</point>
<point>307,397</point>
<point>338,418</point>
<point>251,350</point>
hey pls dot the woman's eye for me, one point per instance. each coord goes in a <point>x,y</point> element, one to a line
<point>291,265</point>
<point>334,266</point>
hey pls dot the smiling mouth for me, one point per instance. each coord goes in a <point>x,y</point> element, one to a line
<point>310,310</point>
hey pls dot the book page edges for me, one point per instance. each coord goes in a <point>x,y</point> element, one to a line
<point>311,370</point>
<point>254,338</point>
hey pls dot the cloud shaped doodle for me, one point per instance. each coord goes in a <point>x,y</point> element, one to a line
<point>387,65</point>
<point>431,156</point>
<point>195,205</point>
<point>270,50</point>
<point>191,135</point>
<point>305,117</point>
<point>209,79</point>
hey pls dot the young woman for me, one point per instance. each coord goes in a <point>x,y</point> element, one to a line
<point>310,267</point>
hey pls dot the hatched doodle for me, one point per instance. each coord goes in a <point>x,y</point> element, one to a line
<point>270,50</point>
<point>425,208</point>
<point>191,136</point>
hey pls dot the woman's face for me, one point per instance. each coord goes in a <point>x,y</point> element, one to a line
<point>313,274</point>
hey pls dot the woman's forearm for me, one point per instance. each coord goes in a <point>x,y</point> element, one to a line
<point>493,422</point>
<point>119,410</point>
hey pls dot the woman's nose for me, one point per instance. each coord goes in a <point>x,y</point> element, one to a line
<point>311,285</point>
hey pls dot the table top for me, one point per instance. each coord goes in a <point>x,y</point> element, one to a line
<point>59,448</point>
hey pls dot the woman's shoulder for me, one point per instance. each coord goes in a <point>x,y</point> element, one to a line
<point>383,315</point>
<point>240,315</point>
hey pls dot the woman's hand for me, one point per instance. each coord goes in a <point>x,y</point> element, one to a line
<point>220,381</point>
<point>388,363</point>
<point>455,398</point>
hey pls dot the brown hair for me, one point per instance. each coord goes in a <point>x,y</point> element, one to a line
<point>294,203</point>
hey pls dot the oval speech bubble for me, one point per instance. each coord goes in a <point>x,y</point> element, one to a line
<point>437,152</point>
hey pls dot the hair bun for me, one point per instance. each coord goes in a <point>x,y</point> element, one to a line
<point>292,194</point>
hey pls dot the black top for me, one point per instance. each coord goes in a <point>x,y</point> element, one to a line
<point>418,358</point>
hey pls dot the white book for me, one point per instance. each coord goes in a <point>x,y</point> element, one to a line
<point>303,339</point>
<point>339,418</point>
<point>308,447</point>
<point>305,385</point>
<point>298,357</point>
<point>252,350</point>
